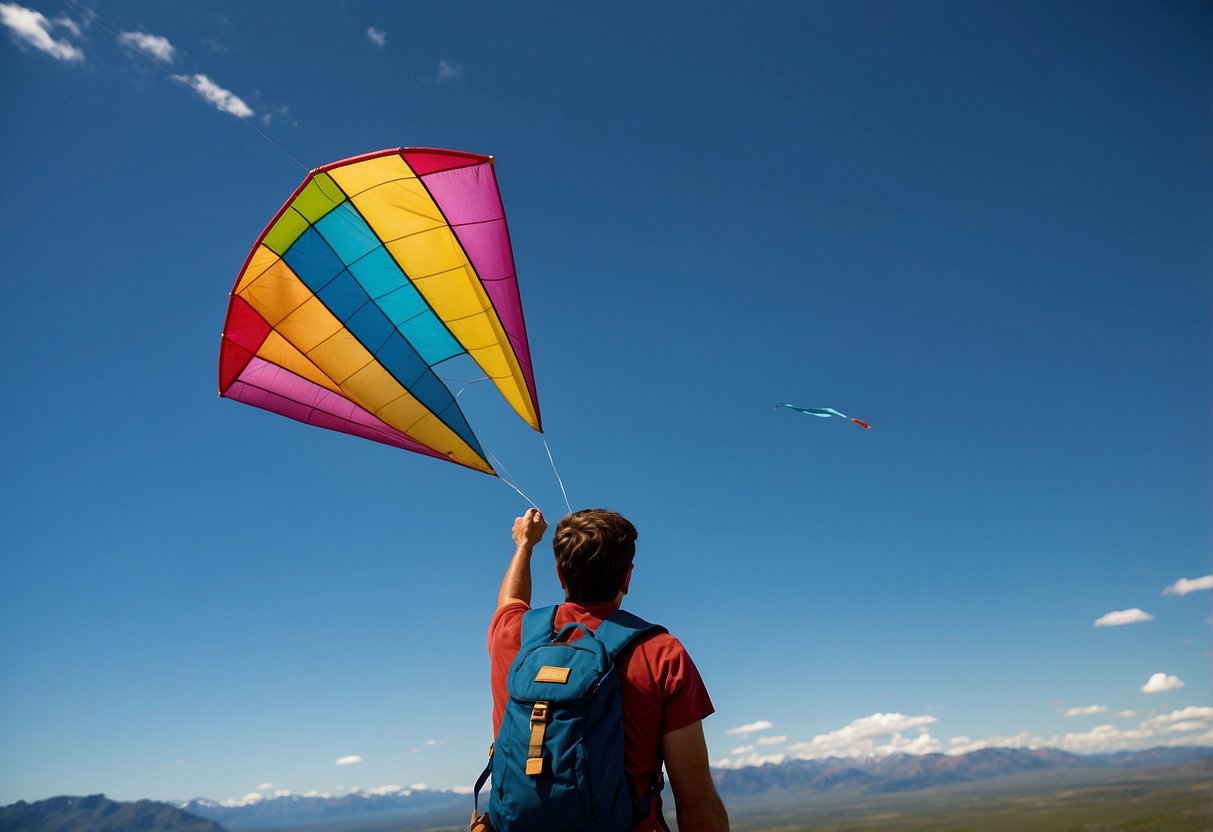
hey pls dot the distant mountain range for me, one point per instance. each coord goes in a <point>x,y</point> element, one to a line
<point>421,808</point>
<point>295,810</point>
<point>911,772</point>
<point>96,813</point>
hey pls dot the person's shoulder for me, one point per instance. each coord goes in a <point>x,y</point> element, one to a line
<point>508,618</point>
<point>660,644</point>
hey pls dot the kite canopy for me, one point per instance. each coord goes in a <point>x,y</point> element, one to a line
<point>375,271</point>
<point>824,413</point>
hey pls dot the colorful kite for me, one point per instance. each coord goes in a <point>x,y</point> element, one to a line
<point>375,271</point>
<point>825,413</point>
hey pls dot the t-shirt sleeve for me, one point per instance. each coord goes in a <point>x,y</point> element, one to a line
<point>686,696</point>
<point>505,629</point>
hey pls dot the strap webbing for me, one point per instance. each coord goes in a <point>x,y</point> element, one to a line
<point>539,727</point>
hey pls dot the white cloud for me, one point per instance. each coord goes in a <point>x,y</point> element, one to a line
<point>376,36</point>
<point>265,787</point>
<point>383,790</point>
<point>449,70</point>
<point>462,789</point>
<point>862,738</point>
<point>1087,711</point>
<point>33,29</point>
<point>882,734</point>
<point>419,787</point>
<point>154,46</point>
<point>350,760</point>
<point>752,759</point>
<point>1156,730</point>
<point>1201,714</point>
<point>772,740</point>
<point>72,26</point>
<point>1127,714</point>
<point>225,100</point>
<point>750,728</point>
<point>434,743</point>
<point>1162,683</point>
<point>963,745</point>
<point>1185,585</point>
<point>1119,618</point>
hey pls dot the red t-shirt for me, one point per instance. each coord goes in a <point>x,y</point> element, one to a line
<point>662,690</point>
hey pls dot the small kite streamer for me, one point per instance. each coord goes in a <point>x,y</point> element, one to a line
<point>825,413</point>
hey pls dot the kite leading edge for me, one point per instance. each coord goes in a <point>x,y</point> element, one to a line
<point>825,413</point>
<point>377,269</point>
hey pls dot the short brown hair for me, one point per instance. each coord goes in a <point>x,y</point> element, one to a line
<point>594,549</point>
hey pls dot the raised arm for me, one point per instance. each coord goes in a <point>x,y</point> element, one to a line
<point>516,585</point>
<point>700,808</point>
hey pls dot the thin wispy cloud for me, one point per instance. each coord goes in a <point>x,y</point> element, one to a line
<point>750,728</point>
<point>154,46</point>
<point>1185,585</point>
<point>349,760</point>
<point>1087,711</point>
<point>1118,618</point>
<point>31,28</point>
<point>772,740</point>
<point>376,36</point>
<point>1162,683</point>
<point>745,749</point>
<point>449,70</point>
<point>224,100</point>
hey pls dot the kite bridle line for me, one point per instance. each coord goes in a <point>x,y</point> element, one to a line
<point>468,382</point>
<point>504,476</point>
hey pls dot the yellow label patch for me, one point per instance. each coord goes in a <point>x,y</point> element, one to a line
<point>556,675</point>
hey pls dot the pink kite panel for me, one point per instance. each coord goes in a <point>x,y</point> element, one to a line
<point>280,391</point>
<point>470,200</point>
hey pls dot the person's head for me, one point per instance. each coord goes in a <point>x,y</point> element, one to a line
<point>594,549</point>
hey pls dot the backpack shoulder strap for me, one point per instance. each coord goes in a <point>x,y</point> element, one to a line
<point>623,628</point>
<point>538,626</point>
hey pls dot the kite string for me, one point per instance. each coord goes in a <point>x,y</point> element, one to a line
<point>503,475</point>
<point>557,473</point>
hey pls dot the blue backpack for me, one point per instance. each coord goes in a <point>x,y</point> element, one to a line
<point>557,763</point>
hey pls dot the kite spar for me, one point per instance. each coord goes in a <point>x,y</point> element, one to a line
<point>378,269</point>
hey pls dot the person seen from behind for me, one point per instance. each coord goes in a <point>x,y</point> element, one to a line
<point>663,697</point>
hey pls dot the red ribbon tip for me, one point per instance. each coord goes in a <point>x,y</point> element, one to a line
<point>862,424</point>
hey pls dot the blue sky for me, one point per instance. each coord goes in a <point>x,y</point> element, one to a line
<point>984,230</point>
